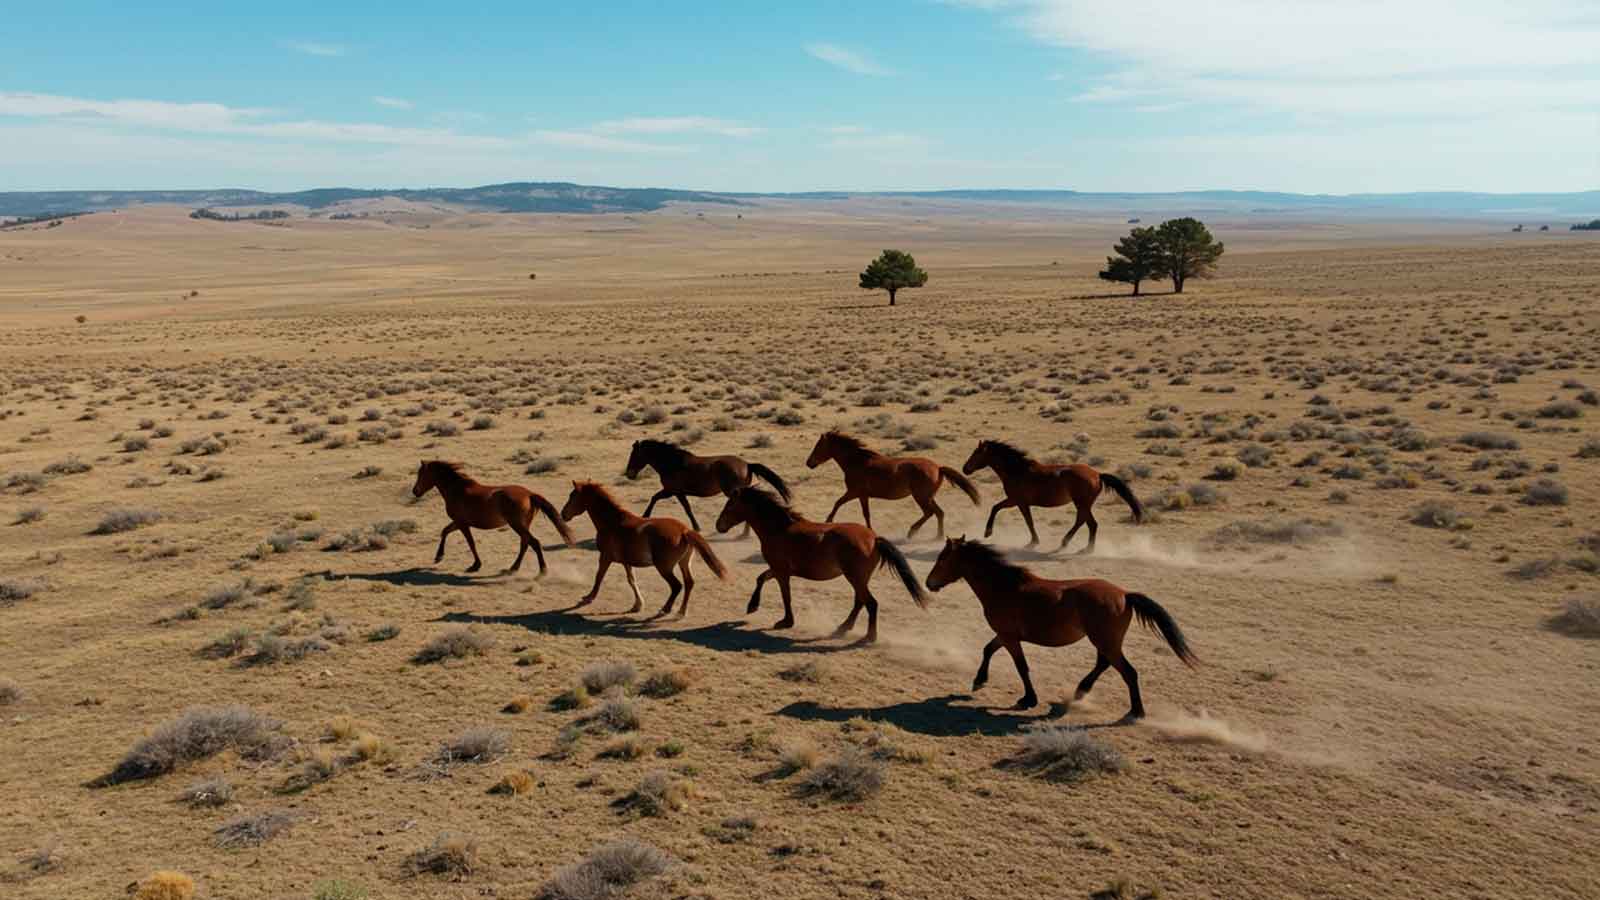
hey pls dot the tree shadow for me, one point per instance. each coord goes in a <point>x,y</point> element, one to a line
<point>727,636</point>
<point>1124,295</point>
<point>935,716</point>
<point>859,306</point>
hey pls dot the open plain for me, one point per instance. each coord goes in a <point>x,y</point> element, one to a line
<point>1369,449</point>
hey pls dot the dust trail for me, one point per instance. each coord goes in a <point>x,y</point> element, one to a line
<point>1204,728</point>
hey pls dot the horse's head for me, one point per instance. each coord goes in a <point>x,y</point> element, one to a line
<point>947,569</point>
<point>636,460</point>
<point>425,480</point>
<point>733,512</point>
<point>978,460</point>
<point>823,451</point>
<point>578,502</point>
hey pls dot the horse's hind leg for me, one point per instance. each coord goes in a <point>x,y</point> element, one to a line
<point>862,594</point>
<point>688,586</point>
<point>673,585</point>
<point>528,540</point>
<point>988,528</point>
<point>1094,528</point>
<point>1087,684</point>
<point>930,508</point>
<point>982,678</point>
<point>442,535</point>
<point>472,545</point>
<point>1130,677</point>
<point>599,576</point>
<point>866,512</point>
<point>684,499</point>
<point>1029,698</point>
<point>1067,538</point>
<point>848,496</point>
<point>788,603</point>
<point>654,499</point>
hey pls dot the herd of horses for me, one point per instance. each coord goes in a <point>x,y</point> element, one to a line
<point>1019,606</point>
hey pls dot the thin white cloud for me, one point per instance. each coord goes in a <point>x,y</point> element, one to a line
<point>847,59</point>
<point>588,140</point>
<point>315,48</point>
<point>677,125</point>
<point>393,102</point>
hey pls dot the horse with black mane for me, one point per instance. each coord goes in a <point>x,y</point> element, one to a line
<point>684,474</point>
<point>1029,483</point>
<point>472,505</point>
<point>868,473</point>
<point>795,547</point>
<point>633,540</point>
<point>1021,606</point>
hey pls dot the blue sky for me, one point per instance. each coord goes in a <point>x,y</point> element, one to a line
<point>1136,95</point>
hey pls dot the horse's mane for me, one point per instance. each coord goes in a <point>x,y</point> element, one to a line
<point>988,558</point>
<point>765,506</point>
<point>448,473</point>
<point>663,452</point>
<point>598,490</point>
<point>850,441</point>
<point>1008,456</point>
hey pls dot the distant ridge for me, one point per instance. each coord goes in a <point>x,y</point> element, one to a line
<point>565,197</point>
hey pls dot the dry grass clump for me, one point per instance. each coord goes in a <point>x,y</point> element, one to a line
<point>15,589</point>
<point>69,466</point>
<point>272,649</point>
<point>813,672</point>
<point>338,890</point>
<point>798,756</point>
<point>252,829</point>
<point>658,794</point>
<point>1545,492</point>
<point>575,697</point>
<point>618,714</point>
<point>599,677</point>
<point>514,784</point>
<point>1067,753</point>
<point>850,777</point>
<point>165,885</point>
<point>121,520</point>
<point>210,792</point>
<point>1489,440</point>
<point>1436,514</point>
<point>41,860</point>
<point>10,692</point>
<point>450,854</point>
<point>197,734</point>
<point>475,745</point>
<point>666,683</point>
<point>630,747</point>
<point>385,632</point>
<point>1580,618</point>
<point>29,515</point>
<point>1276,531</point>
<point>607,872</point>
<point>457,643</point>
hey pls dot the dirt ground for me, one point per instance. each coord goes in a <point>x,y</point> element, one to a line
<point>1369,450</point>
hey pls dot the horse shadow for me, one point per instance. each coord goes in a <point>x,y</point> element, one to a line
<point>1015,554</point>
<point>728,635</point>
<point>935,716</point>
<point>416,576</point>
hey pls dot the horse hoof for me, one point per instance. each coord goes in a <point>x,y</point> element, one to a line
<point>1079,695</point>
<point>1026,703</point>
<point>665,610</point>
<point>1133,715</point>
<point>751,609</point>
<point>784,623</point>
<point>474,567</point>
<point>977,686</point>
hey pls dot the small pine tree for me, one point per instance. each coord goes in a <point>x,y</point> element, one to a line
<point>891,271</point>
<point>1188,249</point>
<point>1138,257</point>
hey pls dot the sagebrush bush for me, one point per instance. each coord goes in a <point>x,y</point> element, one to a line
<point>1580,617</point>
<point>457,643</point>
<point>851,776</point>
<point>666,683</point>
<point>449,854</point>
<point>1067,753</point>
<point>607,872</point>
<point>252,829</point>
<point>598,677</point>
<point>475,745</point>
<point>120,520</point>
<point>197,734</point>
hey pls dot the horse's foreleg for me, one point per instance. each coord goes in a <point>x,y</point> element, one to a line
<point>788,604</point>
<point>1029,698</point>
<point>638,601</point>
<point>930,509</point>
<point>755,595</point>
<point>866,512</point>
<point>442,535</point>
<point>673,586</point>
<point>684,499</point>
<point>1094,528</point>
<point>1067,538</point>
<point>599,576</point>
<point>1027,516</point>
<point>528,540</point>
<point>1087,684</point>
<point>848,496</point>
<point>473,546</point>
<point>688,586</point>
<point>850,620</point>
<point>659,495</point>
<point>988,530</point>
<point>982,678</point>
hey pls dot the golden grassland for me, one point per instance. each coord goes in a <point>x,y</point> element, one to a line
<point>1370,448</point>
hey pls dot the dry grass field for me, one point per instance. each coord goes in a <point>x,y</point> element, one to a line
<point>1371,451</point>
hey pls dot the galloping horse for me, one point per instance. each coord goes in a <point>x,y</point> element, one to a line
<point>685,475</point>
<point>1029,483</point>
<point>632,540</point>
<point>868,473</point>
<point>472,505</point>
<point>1021,606</point>
<point>795,547</point>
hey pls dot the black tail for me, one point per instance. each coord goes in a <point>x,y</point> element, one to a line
<point>1125,492</point>
<point>554,515</point>
<point>890,555</point>
<point>1152,615</point>
<point>771,477</point>
<point>961,481</point>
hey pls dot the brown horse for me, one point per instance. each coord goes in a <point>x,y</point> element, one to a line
<point>632,540</point>
<point>795,547</point>
<point>472,505</point>
<point>1021,606</point>
<point>1028,483</point>
<point>684,475</point>
<point>868,473</point>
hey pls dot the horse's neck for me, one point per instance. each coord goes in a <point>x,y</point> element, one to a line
<point>991,585</point>
<point>852,456</point>
<point>769,524</point>
<point>667,462</point>
<point>606,511</point>
<point>454,486</point>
